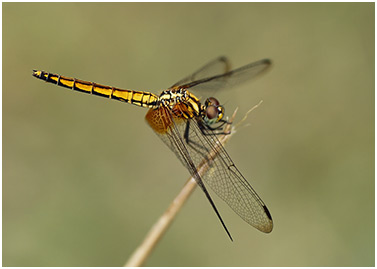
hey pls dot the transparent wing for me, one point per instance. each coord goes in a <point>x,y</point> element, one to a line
<point>218,66</point>
<point>228,79</point>
<point>226,180</point>
<point>187,140</point>
<point>173,138</point>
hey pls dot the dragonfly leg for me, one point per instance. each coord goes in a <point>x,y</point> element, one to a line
<point>217,130</point>
<point>195,146</point>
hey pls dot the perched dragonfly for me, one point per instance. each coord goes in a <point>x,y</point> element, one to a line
<point>189,128</point>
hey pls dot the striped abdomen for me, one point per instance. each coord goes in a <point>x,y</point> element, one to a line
<point>138,98</point>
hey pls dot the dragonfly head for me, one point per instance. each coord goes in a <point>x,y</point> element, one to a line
<point>213,111</point>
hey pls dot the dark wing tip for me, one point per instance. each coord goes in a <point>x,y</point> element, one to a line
<point>226,61</point>
<point>266,61</point>
<point>270,218</point>
<point>267,212</point>
<point>223,58</point>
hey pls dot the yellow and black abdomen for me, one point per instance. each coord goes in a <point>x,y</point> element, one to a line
<point>138,98</point>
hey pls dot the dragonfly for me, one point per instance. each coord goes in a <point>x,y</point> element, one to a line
<point>190,128</point>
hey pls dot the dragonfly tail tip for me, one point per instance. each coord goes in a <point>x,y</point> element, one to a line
<point>35,72</point>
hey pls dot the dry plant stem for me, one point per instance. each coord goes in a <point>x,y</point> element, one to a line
<point>159,228</point>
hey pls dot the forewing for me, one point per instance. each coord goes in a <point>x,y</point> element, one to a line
<point>216,67</point>
<point>229,79</point>
<point>226,180</point>
<point>171,130</point>
<point>196,150</point>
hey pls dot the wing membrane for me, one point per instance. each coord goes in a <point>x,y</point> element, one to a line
<point>174,140</point>
<point>218,66</point>
<point>229,79</point>
<point>226,180</point>
<point>223,177</point>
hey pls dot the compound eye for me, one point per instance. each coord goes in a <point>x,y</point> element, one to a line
<point>213,101</point>
<point>212,112</point>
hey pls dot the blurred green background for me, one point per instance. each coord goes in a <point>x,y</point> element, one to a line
<point>84,178</point>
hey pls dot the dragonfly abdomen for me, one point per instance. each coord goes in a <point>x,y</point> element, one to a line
<point>138,98</point>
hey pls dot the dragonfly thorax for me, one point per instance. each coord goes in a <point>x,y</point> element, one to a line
<point>184,103</point>
<point>172,97</point>
<point>181,103</point>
